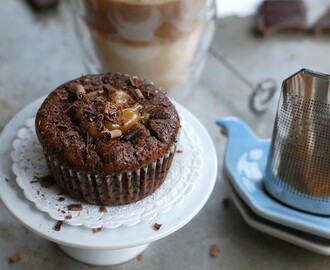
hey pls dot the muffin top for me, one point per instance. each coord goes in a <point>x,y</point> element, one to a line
<point>106,123</point>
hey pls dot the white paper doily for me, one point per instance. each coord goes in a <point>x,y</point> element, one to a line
<point>29,163</point>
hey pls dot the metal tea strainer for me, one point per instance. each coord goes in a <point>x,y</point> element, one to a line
<point>298,166</point>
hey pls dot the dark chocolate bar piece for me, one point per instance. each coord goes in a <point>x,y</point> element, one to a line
<point>42,4</point>
<point>323,24</point>
<point>278,15</point>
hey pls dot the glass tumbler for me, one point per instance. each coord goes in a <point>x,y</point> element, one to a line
<point>163,41</point>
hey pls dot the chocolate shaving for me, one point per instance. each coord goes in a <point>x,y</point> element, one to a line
<point>132,81</point>
<point>72,133</point>
<point>61,126</point>
<point>58,225</point>
<point>75,207</point>
<point>68,216</point>
<point>138,95</point>
<point>115,133</point>
<point>109,89</point>
<point>88,110</point>
<point>107,107</point>
<point>80,91</point>
<point>130,134</point>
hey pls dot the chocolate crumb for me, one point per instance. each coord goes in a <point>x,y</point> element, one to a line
<point>75,207</point>
<point>61,199</point>
<point>179,151</point>
<point>214,250</point>
<point>58,225</point>
<point>103,209</point>
<point>96,230</point>
<point>6,179</point>
<point>15,258</point>
<point>34,181</point>
<point>68,216</point>
<point>226,203</point>
<point>157,226</point>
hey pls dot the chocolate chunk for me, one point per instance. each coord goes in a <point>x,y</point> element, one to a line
<point>281,15</point>
<point>323,24</point>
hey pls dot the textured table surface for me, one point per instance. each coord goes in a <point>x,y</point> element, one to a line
<point>38,51</point>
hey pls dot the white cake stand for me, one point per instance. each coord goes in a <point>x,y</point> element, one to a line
<point>109,246</point>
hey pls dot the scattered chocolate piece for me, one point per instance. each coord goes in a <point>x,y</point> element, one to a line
<point>214,250</point>
<point>61,199</point>
<point>157,226</point>
<point>58,225</point>
<point>281,15</point>
<point>47,258</point>
<point>68,216</point>
<point>75,207</point>
<point>140,256</point>
<point>96,230</point>
<point>103,209</point>
<point>15,258</point>
<point>34,181</point>
<point>323,24</point>
<point>179,151</point>
<point>45,181</point>
<point>6,179</point>
<point>226,203</point>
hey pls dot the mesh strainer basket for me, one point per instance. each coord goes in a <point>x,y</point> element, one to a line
<point>298,166</point>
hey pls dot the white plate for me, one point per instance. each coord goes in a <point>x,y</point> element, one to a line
<point>244,163</point>
<point>117,238</point>
<point>29,162</point>
<point>302,239</point>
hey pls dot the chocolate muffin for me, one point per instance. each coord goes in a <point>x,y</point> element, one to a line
<point>108,139</point>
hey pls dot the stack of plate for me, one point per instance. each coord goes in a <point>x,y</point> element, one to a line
<point>244,165</point>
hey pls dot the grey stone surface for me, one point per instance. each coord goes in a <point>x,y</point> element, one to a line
<point>38,51</point>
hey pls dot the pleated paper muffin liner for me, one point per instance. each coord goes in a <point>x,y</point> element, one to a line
<point>114,188</point>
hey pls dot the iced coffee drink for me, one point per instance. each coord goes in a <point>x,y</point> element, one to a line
<point>159,40</point>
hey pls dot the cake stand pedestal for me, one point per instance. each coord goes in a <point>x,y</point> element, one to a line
<point>105,256</point>
<point>108,246</point>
